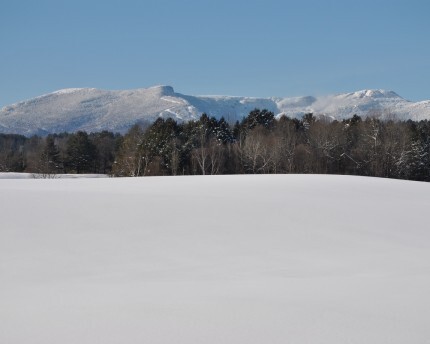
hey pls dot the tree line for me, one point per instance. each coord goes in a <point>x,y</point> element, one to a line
<point>59,153</point>
<point>257,144</point>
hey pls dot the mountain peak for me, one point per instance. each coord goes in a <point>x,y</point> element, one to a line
<point>163,90</point>
<point>372,93</point>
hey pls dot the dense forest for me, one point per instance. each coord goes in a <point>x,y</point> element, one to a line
<point>257,144</point>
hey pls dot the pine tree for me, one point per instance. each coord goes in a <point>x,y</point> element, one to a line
<point>256,117</point>
<point>50,161</point>
<point>80,153</point>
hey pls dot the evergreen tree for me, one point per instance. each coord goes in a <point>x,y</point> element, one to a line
<point>107,144</point>
<point>50,161</point>
<point>159,141</point>
<point>256,117</point>
<point>222,131</point>
<point>80,153</point>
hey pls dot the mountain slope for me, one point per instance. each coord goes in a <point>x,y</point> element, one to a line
<point>92,109</point>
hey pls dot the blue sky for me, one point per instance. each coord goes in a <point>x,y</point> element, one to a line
<point>252,48</point>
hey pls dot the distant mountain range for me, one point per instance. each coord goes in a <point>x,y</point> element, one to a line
<point>92,109</point>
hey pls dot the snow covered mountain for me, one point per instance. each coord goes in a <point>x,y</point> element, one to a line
<point>92,109</point>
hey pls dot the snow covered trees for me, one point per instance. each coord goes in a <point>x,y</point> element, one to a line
<point>261,144</point>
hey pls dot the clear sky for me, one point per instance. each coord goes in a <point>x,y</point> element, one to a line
<point>250,48</point>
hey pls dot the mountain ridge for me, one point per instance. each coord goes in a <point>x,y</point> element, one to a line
<point>93,109</point>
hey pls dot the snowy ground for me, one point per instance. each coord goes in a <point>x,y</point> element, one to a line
<point>228,259</point>
<point>17,175</point>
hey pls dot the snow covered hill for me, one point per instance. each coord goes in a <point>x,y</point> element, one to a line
<point>221,259</point>
<point>92,109</point>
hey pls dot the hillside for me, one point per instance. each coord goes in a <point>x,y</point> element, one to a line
<point>227,259</point>
<point>92,109</point>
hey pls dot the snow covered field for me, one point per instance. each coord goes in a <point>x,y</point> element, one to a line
<point>227,259</point>
<point>19,175</point>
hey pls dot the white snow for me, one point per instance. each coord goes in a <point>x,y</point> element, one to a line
<point>18,175</point>
<point>227,259</point>
<point>91,109</point>
<point>69,90</point>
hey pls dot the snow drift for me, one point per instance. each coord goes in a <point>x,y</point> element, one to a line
<point>228,259</point>
<point>92,109</point>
